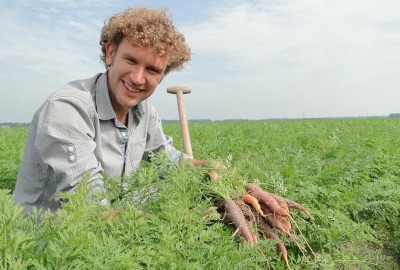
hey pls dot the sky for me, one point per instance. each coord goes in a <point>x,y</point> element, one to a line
<point>252,59</point>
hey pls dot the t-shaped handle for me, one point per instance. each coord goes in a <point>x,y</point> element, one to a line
<point>179,91</point>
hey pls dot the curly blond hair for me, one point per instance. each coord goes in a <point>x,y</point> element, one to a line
<point>147,28</point>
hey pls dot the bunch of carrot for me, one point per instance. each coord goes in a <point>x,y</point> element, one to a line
<point>262,212</point>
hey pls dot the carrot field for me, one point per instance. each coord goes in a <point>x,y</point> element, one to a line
<point>345,171</point>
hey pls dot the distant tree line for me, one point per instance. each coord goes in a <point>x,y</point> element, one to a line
<point>392,115</point>
<point>11,125</point>
<point>190,120</point>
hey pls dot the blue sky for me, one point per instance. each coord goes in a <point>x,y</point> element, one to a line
<point>251,59</point>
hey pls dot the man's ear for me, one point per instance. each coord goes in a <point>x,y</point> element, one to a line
<point>110,51</point>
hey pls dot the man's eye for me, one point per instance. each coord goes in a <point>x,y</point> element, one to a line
<point>153,71</point>
<point>130,60</point>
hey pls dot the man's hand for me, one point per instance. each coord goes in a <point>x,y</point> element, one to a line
<point>213,166</point>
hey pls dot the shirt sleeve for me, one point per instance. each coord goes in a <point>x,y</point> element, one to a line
<point>158,141</point>
<point>65,141</point>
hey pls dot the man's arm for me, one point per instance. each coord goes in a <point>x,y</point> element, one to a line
<point>157,141</point>
<point>65,143</point>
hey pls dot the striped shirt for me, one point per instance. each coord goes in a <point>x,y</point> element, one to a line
<point>76,132</point>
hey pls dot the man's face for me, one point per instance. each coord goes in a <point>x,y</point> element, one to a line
<point>133,74</point>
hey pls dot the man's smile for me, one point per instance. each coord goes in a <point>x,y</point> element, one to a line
<point>130,88</point>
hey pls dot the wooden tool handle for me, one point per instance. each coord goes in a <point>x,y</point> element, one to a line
<point>187,145</point>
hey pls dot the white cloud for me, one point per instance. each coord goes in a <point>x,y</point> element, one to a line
<point>304,54</point>
<point>43,50</point>
<point>252,59</point>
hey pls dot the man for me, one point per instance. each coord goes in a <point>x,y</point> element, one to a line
<point>104,124</point>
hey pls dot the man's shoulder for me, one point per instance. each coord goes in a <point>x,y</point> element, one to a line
<point>82,89</point>
<point>84,84</point>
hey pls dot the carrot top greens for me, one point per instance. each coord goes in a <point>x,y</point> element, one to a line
<point>344,171</point>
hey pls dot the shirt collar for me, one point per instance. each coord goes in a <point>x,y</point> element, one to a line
<point>104,108</point>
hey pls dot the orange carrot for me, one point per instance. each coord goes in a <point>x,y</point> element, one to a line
<point>293,204</point>
<point>285,223</point>
<point>270,201</point>
<point>252,187</point>
<point>239,220</point>
<point>268,233</point>
<point>273,221</point>
<point>297,206</point>
<point>281,201</point>
<point>253,202</point>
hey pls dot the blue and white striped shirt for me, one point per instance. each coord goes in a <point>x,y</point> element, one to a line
<point>76,132</point>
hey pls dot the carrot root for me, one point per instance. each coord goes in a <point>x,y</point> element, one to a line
<point>249,199</point>
<point>261,213</point>
<point>270,201</point>
<point>273,221</point>
<point>292,204</point>
<point>252,187</point>
<point>239,220</point>
<point>282,202</point>
<point>268,233</point>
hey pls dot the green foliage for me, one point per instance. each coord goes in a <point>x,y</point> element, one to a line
<point>345,171</point>
<point>12,141</point>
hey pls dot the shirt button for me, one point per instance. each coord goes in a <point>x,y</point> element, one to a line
<point>70,149</point>
<point>72,158</point>
<point>123,134</point>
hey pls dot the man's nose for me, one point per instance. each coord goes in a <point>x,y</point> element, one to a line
<point>138,75</point>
